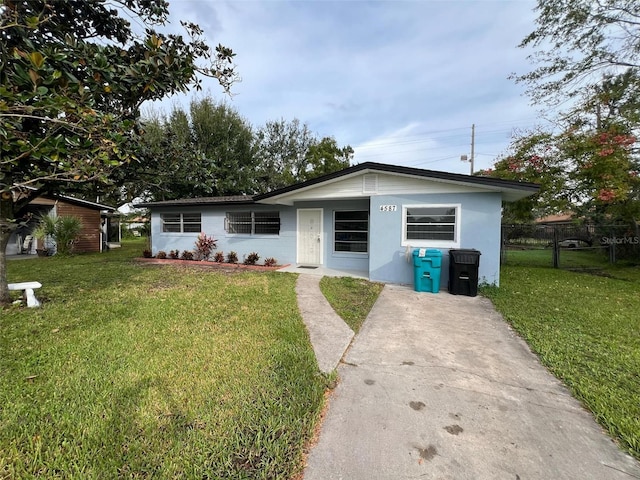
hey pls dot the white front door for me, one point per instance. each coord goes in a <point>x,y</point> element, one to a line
<point>310,236</point>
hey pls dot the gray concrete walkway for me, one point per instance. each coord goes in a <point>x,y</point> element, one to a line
<point>439,386</point>
<point>329,335</point>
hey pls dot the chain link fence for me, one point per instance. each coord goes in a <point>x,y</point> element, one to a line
<point>569,246</point>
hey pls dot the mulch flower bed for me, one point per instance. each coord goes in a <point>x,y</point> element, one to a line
<point>208,264</point>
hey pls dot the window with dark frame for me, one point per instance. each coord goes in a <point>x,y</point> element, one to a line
<point>266,223</point>
<point>431,223</point>
<point>253,223</point>
<point>351,231</point>
<point>181,222</point>
<point>239,222</point>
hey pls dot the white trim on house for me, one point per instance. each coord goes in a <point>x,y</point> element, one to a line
<point>455,243</point>
<point>364,184</point>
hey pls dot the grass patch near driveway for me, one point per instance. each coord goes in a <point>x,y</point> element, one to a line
<point>154,372</point>
<point>595,257</point>
<point>351,298</point>
<point>585,328</point>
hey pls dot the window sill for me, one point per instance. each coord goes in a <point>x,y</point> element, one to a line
<point>430,244</point>
<point>264,236</point>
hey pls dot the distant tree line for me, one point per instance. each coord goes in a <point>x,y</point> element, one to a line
<point>211,150</point>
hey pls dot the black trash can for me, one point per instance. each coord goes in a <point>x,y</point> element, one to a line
<point>463,272</point>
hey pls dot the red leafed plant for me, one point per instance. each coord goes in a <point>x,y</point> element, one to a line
<point>251,259</point>
<point>205,246</point>
<point>270,262</point>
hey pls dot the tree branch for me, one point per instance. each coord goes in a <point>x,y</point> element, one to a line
<point>72,126</point>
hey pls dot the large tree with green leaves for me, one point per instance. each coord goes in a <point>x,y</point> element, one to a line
<point>325,157</point>
<point>207,151</point>
<point>578,43</point>
<point>211,150</point>
<point>534,157</point>
<point>166,164</point>
<point>281,148</point>
<point>73,75</point>
<point>288,152</point>
<point>590,172</point>
<point>588,58</point>
<point>589,165</point>
<point>223,139</point>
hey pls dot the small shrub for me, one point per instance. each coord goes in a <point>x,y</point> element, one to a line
<point>187,255</point>
<point>270,262</point>
<point>204,246</point>
<point>232,257</point>
<point>161,254</point>
<point>147,253</point>
<point>175,254</point>
<point>219,257</point>
<point>252,259</point>
<point>63,232</point>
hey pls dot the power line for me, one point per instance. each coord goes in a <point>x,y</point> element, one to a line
<point>382,154</point>
<point>442,159</point>
<point>432,136</point>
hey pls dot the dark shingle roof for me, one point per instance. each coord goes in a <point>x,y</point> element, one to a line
<point>497,183</point>
<point>229,199</point>
<point>416,172</point>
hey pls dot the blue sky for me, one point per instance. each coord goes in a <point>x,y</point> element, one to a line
<point>400,81</point>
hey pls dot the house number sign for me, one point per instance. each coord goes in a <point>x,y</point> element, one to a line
<point>388,208</point>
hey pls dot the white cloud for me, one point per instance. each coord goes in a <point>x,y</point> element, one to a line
<point>401,82</point>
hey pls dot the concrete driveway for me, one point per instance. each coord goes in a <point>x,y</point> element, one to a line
<point>439,386</point>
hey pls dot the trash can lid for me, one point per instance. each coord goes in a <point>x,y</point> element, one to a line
<point>466,256</point>
<point>427,252</point>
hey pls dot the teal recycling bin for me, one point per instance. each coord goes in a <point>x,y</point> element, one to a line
<point>426,270</point>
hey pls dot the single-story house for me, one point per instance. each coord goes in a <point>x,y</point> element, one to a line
<point>367,218</point>
<point>100,224</point>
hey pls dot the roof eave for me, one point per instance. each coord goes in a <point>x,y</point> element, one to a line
<point>192,202</point>
<point>278,196</point>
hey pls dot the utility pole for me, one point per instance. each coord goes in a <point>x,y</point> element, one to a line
<point>473,144</point>
<point>473,148</point>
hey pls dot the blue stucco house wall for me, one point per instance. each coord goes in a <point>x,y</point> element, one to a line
<point>367,219</point>
<point>479,229</point>
<point>213,218</point>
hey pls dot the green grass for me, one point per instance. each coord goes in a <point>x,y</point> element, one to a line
<point>586,328</point>
<point>351,298</point>
<point>569,257</point>
<point>144,371</point>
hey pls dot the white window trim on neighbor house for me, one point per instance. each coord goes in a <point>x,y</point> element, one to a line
<point>436,243</point>
<point>178,220</point>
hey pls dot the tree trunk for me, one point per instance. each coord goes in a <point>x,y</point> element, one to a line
<point>6,228</point>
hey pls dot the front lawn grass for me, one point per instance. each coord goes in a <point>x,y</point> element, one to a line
<point>585,327</point>
<point>154,372</point>
<point>592,257</point>
<point>351,298</point>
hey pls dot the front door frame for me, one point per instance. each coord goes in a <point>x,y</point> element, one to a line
<point>320,236</point>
